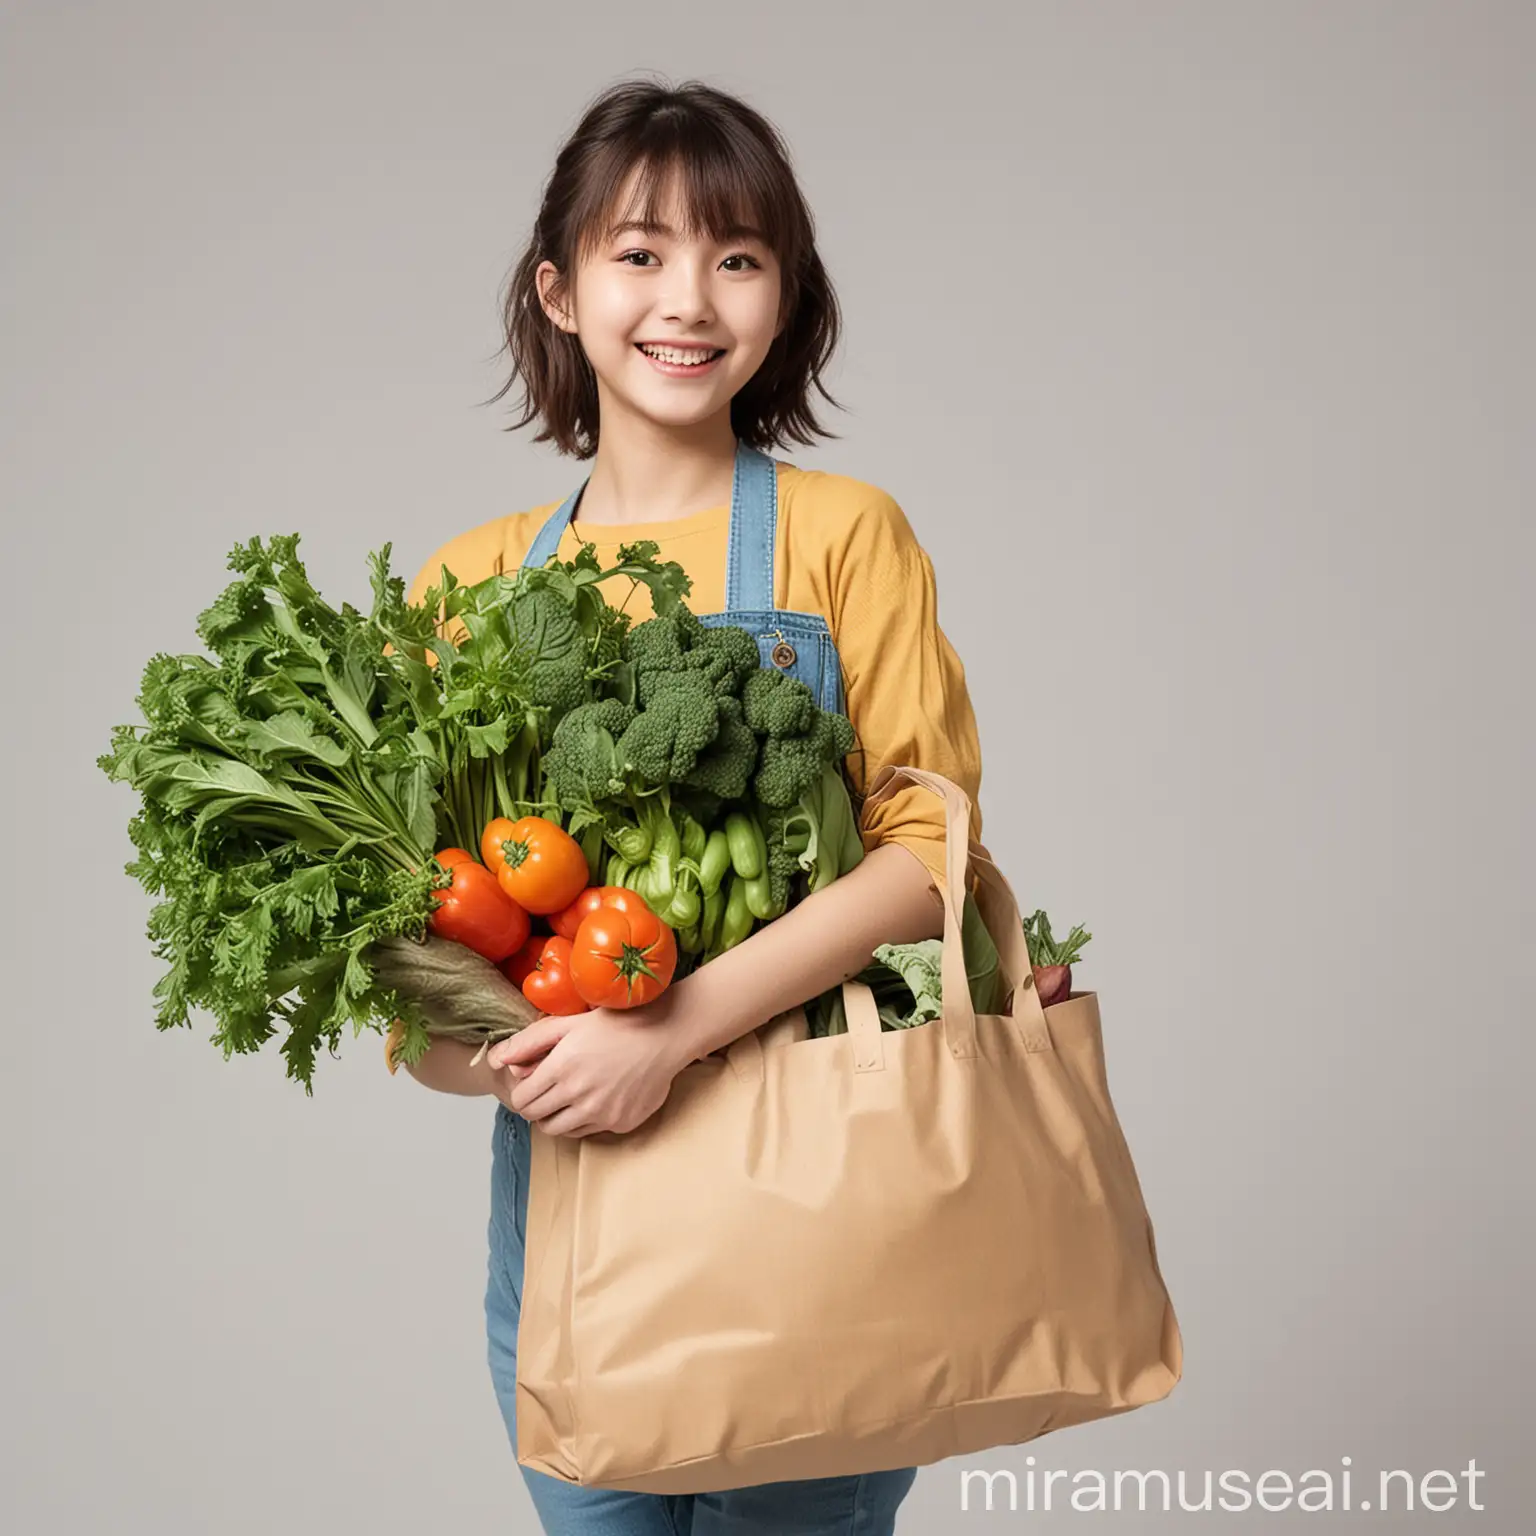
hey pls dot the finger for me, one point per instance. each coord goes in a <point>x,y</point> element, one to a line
<point>542,1094</point>
<point>528,1043</point>
<point>570,1121</point>
<point>501,1054</point>
<point>520,1070</point>
<point>536,1076</point>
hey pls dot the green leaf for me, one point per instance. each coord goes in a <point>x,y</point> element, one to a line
<point>308,897</point>
<point>289,734</point>
<point>419,804</point>
<point>484,740</point>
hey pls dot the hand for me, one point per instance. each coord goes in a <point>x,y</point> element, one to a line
<point>578,1074</point>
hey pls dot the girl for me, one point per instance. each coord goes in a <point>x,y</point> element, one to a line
<point>668,320</point>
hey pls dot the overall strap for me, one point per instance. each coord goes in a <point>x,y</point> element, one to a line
<point>749,544</point>
<point>547,540</point>
<point>754,526</point>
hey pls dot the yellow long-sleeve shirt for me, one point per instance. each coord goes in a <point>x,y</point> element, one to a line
<point>845,550</point>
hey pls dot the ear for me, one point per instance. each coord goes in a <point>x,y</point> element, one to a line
<point>553,300</point>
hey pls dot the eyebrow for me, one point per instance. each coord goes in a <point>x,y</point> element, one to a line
<point>732,232</point>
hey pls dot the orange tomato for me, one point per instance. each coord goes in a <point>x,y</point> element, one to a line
<point>538,864</point>
<point>549,986</point>
<point>475,912</point>
<point>623,955</point>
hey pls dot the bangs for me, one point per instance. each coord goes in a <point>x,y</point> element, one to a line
<point>717,197</point>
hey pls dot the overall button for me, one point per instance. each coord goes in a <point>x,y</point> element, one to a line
<point>783,654</point>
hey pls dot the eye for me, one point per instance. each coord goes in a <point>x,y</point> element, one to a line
<point>735,256</point>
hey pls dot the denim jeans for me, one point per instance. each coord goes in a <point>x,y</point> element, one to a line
<point>822,1506</point>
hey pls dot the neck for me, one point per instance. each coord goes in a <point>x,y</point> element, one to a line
<point>643,473</point>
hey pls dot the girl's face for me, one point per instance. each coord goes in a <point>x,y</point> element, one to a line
<point>657,289</point>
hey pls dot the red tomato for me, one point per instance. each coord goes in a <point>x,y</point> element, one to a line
<point>568,920</point>
<point>623,954</point>
<point>451,856</point>
<point>474,911</point>
<point>549,986</point>
<point>539,864</point>
<point>521,961</point>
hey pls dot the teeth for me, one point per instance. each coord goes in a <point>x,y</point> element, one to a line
<point>680,355</point>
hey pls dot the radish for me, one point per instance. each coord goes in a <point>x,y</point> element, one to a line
<point>1052,958</point>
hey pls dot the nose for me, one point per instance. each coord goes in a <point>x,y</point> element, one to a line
<point>685,297</point>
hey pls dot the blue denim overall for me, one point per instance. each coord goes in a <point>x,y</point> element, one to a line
<point>801,644</point>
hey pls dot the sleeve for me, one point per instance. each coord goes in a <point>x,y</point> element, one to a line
<point>905,685</point>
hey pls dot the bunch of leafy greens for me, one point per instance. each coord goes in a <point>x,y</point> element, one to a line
<point>295,786</point>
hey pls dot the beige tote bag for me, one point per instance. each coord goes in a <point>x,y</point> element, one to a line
<point>838,1255</point>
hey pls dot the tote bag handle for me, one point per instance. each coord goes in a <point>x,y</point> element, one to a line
<point>1002,921</point>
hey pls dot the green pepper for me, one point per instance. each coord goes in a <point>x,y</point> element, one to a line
<point>736,920</point>
<point>714,910</point>
<point>715,861</point>
<point>749,848</point>
<point>684,909</point>
<point>693,834</point>
<point>760,896</point>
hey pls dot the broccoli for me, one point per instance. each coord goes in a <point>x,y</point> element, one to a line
<point>713,667</point>
<point>679,642</point>
<point>583,763</point>
<point>724,769</point>
<point>659,644</point>
<point>789,765</point>
<point>777,704</point>
<point>680,719</point>
<point>727,655</point>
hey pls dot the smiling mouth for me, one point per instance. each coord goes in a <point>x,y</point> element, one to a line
<point>698,360</point>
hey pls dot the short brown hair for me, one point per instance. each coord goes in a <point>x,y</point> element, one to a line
<point>733,168</point>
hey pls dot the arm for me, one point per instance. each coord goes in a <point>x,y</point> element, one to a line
<point>887,898</point>
<point>908,701</point>
<point>906,686</point>
<point>446,1067</point>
